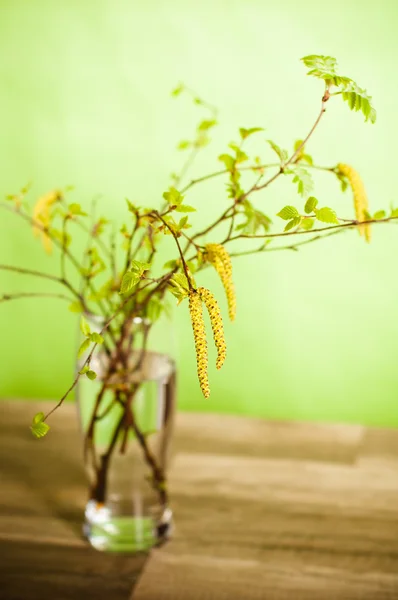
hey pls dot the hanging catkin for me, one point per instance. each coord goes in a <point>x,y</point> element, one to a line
<point>216,324</point>
<point>220,259</point>
<point>360,197</point>
<point>199,334</point>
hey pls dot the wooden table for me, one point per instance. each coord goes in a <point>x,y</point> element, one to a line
<point>264,510</point>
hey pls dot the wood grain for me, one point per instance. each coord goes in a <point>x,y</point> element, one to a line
<point>276,511</point>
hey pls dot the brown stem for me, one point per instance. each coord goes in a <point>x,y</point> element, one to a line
<point>17,296</point>
<point>173,233</point>
<point>348,224</point>
<point>59,280</point>
<point>157,472</point>
<point>58,243</point>
<point>99,489</point>
<point>88,359</point>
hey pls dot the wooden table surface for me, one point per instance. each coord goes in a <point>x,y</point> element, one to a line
<point>272,511</point>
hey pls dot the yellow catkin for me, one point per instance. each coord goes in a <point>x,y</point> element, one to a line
<point>360,198</point>
<point>220,259</point>
<point>216,324</point>
<point>199,334</point>
<point>42,216</point>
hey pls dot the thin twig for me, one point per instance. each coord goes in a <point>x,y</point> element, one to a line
<point>19,295</point>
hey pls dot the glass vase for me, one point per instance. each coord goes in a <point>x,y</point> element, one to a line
<point>126,417</point>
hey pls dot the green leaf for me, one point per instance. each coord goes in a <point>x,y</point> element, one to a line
<point>185,208</point>
<point>76,209</point>
<point>139,267</point>
<point>131,207</point>
<point>207,124</point>
<point>307,224</point>
<point>96,338</point>
<point>358,99</point>
<point>76,307</point>
<point>326,215</point>
<point>173,196</point>
<point>380,214</point>
<point>324,67</point>
<point>244,133</point>
<point>170,264</point>
<point>129,280</point>
<point>184,144</point>
<point>255,220</point>
<point>310,205</point>
<point>303,179</point>
<point>394,212</point>
<point>178,90</point>
<point>228,161</point>
<point>85,345</point>
<point>178,286</point>
<point>302,156</point>
<point>288,212</point>
<point>282,154</point>
<point>39,428</point>
<point>38,418</point>
<point>84,370</point>
<point>182,223</point>
<point>91,374</point>
<point>84,326</point>
<point>240,156</point>
<point>293,223</point>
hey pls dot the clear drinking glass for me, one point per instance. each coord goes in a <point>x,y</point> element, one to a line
<point>127,415</point>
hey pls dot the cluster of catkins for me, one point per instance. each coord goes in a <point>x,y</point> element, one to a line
<point>220,259</point>
<point>42,215</point>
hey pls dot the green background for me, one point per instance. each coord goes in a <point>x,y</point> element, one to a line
<point>85,100</point>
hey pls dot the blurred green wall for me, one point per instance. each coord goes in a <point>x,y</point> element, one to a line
<point>85,100</point>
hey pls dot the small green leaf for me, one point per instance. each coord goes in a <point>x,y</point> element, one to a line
<point>173,196</point>
<point>178,286</point>
<point>76,209</point>
<point>307,224</point>
<point>185,208</point>
<point>84,326</point>
<point>76,307</point>
<point>129,280</point>
<point>131,207</point>
<point>240,156</point>
<point>293,223</point>
<point>288,212</point>
<point>91,374</point>
<point>39,428</point>
<point>310,205</point>
<point>38,418</point>
<point>178,90</point>
<point>394,212</point>
<point>207,124</point>
<point>170,264</point>
<point>184,144</point>
<point>183,221</point>
<point>96,338</point>
<point>303,179</point>
<point>139,267</point>
<point>244,133</point>
<point>380,214</point>
<point>84,370</point>
<point>282,154</point>
<point>326,215</point>
<point>85,345</point>
<point>228,161</point>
